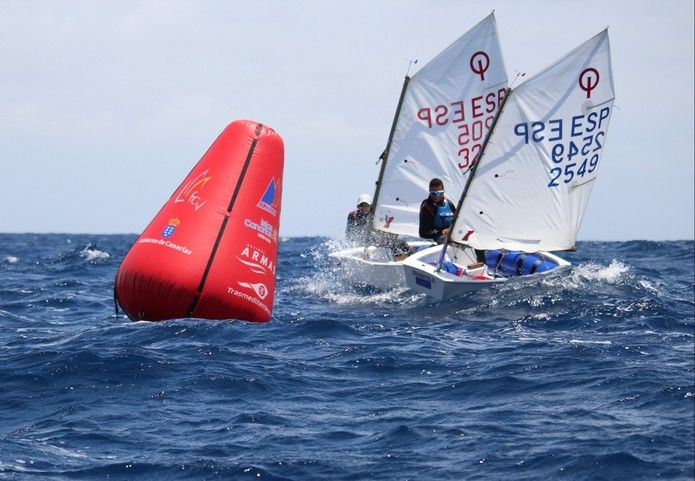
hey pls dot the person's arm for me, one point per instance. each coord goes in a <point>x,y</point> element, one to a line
<point>427,230</point>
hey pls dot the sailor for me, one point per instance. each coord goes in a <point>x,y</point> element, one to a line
<point>436,213</point>
<point>357,228</point>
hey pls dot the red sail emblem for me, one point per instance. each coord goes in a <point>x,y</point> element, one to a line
<point>480,62</point>
<point>588,80</point>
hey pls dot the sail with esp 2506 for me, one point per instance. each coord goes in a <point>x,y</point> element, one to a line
<point>446,110</point>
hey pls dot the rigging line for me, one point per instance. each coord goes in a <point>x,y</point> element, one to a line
<point>518,74</point>
<point>385,155</point>
<point>411,62</point>
<point>474,167</point>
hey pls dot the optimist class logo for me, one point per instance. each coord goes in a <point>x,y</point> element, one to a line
<point>171,227</point>
<point>588,80</point>
<point>267,202</point>
<point>480,62</point>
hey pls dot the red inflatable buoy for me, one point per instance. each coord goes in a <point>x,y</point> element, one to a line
<point>211,251</point>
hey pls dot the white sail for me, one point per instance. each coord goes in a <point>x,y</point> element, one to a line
<point>447,109</point>
<point>534,180</point>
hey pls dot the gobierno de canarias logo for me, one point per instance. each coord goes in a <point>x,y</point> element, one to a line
<point>171,227</point>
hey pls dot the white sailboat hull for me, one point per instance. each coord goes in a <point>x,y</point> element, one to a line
<point>372,266</point>
<point>422,275</point>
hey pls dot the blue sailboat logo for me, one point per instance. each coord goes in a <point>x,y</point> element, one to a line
<point>268,200</point>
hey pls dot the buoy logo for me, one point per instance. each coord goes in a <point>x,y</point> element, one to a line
<point>256,260</point>
<point>190,192</point>
<point>171,227</point>
<point>263,228</point>
<point>259,288</point>
<point>267,202</point>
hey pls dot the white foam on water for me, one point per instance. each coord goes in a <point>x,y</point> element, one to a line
<point>579,341</point>
<point>11,260</point>
<point>331,289</point>
<point>648,286</point>
<point>330,284</point>
<point>89,253</point>
<point>612,274</point>
<point>60,451</point>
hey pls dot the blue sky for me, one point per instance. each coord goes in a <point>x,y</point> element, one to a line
<point>106,106</point>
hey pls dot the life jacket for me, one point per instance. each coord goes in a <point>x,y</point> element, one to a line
<point>443,216</point>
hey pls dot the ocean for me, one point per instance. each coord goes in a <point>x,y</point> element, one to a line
<point>587,374</point>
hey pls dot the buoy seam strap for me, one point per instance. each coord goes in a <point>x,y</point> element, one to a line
<point>247,162</point>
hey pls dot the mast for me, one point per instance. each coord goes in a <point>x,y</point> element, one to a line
<point>384,156</point>
<point>473,168</point>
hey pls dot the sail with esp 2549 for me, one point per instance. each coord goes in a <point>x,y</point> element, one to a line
<point>528,191</point>
<point>531,188</point>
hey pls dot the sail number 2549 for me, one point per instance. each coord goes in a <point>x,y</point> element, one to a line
<point>575,143</point>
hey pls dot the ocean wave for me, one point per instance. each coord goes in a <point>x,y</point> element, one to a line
<point>585,373</point>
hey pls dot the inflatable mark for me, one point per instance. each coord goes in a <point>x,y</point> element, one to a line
<point>211,251</point>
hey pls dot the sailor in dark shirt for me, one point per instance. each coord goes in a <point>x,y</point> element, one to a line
<point>436,213</point>
<point>357,228</point>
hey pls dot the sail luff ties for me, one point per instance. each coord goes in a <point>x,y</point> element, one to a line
<point>384,156</point>
<point>474,167</point>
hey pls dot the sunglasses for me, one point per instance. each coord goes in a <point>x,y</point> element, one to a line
<point>363,204</point>
<point>436,193</point>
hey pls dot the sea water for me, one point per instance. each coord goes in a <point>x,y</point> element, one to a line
<point>584,374</point>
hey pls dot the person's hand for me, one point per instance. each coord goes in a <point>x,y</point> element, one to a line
<point>445,232</point>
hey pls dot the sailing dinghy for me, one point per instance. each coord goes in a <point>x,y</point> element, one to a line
<point>443,115</point>
<point>527,193</point>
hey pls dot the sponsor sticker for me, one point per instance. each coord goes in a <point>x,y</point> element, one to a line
<point>259,288</point>
<point>256,260</point>
<point>263,228</point>
<point>268,201</point>
<point>191,192</point>
<point>171,227</point>
<point>423,281</point>
<point>166,243</point>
